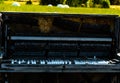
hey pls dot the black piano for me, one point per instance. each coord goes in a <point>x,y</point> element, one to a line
<point>51,42</point>
<point>58,47</point>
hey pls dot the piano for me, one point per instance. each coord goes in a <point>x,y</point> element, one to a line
<point>55,42</point>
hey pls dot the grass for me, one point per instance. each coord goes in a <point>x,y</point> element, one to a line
<point>75,10</point>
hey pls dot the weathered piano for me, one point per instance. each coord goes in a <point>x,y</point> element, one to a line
<point>54,42</point>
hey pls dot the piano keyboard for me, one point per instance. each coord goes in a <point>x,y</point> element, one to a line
<point>58,62</point>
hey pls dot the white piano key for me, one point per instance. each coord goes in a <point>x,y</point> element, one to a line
<point>69,62</point>
<point>28,62</point>
<point>19,61</point>
<point>23,61</point>
<point>33,61</point>
<point>12,61</point>
<point>42,62</point>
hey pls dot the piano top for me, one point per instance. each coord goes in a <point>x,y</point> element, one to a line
<point>58,14</point>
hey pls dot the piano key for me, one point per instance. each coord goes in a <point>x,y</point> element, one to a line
<point>28,62</point>
<point>42,62</point>
<point>19,61</point>
<point>33,61</point>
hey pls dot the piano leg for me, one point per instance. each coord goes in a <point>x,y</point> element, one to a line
<point>116,79</point>
<point>4,78</point>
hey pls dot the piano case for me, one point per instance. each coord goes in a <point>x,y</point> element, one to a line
<point>54,42</point>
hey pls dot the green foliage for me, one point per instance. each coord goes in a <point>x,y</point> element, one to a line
<point>115,2</point>
<point>1,1</point>
<point>76,3</point>
<point>90,3</point>
<point>53,2</point>
<point>72,3</point>
<point>99,3</point>
<point>29,2</point>
<point>106,4</point>
<point>63,1</point>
